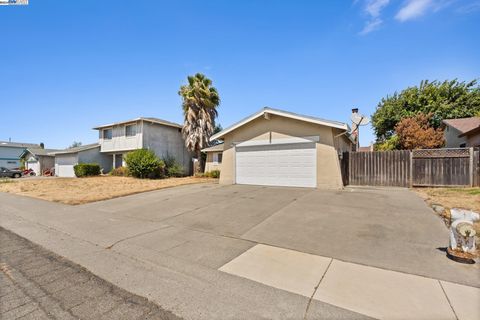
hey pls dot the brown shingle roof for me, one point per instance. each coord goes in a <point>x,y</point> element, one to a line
<point>463,125</point>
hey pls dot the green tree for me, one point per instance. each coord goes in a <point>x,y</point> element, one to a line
<point>443,100</point>
<point>199,102</point>
<point>75,144</point>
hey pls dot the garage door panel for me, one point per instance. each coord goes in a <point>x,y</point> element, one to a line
<point>277,165</point>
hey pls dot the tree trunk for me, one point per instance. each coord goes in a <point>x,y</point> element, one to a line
<point>198,168</point>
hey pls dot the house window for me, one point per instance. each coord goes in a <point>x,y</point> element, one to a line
<point>217,157</point>
<point>107,134</point>
<point>131,130</point>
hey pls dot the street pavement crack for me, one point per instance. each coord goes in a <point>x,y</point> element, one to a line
<point>135,236</point>
<point>446,296</point>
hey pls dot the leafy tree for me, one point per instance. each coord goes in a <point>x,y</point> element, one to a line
<point>443,100</point>
<point>417,133</point>
<point>200,102</point>
<point>75,144</point>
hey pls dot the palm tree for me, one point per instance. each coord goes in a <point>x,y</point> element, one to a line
<point>200,100</point>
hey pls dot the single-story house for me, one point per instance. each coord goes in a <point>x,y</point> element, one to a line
<point>39,159</point>
<point>161,136</point>
<point>280,148</point>
<point>214,157</point>
<point>462,133</point>
<point>10,153</point>
<point>66,159</point>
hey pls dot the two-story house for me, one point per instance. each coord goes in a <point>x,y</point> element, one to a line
<point>161,136</point>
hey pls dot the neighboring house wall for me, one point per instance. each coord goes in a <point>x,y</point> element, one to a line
<point>10,156</point>
<point>210,164</point>
<point>38,163</point>
<point>473,140</point>
<point>167,140</point>
<point>277,127</point>
<point>119,141</point>
<point>94,156</point>
<point>451,137</point>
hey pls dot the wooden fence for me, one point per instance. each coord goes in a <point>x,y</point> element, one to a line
<point>433,168</point>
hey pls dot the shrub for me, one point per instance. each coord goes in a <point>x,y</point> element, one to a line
<point>86,169</point>
<point>144,163</point>
<point>172,167</point>
<point>120,172</point>
<point>213,174</point>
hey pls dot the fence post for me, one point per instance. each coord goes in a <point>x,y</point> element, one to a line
<point>471,166</point>
<point>411,169</point>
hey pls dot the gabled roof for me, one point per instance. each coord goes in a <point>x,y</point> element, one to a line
<point>287,114</point>
<point>18,144</point>
<point>77,149</point>
<point>40,152</point>
<point>463,125</point>
<point>218,147</point>
<point>148,119</point>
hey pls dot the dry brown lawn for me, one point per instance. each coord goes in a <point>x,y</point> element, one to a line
<point>467,198</point>
<point>83,190</point>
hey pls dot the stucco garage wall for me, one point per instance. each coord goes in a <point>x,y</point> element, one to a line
<point>95,156</point>
<point>277,127</point>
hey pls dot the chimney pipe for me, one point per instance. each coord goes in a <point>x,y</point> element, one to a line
<point>355,110</point>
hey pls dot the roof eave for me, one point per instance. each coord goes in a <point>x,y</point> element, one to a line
<point>222,133</point>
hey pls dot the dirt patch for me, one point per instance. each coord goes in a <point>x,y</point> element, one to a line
<point>75,191</point>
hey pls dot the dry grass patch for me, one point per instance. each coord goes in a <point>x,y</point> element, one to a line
<point>83,190</point>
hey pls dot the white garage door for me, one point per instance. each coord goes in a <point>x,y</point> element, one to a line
<point>35,166</point>
<point>64,165</point>
<point>291,165</point>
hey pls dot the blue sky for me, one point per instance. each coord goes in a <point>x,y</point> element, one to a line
<point>67,66</point>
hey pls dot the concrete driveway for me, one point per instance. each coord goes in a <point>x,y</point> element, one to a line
<point>190,248</point>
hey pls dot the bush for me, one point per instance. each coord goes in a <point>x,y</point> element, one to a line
<point>172,167</point>
<point>120,172</point>
<point>144,163</point>
<point>213,174</point>
<point>86,169</point>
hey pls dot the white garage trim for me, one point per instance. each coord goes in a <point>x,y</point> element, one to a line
<point>292,165</point>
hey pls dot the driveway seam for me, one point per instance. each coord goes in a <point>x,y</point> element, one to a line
<point>448,299</point>
<point>315,290</point>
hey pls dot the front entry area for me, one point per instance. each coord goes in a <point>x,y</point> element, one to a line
<point>291,165</point>
<point>117,160</point>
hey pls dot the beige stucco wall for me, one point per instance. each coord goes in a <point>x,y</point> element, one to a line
<point>209,164</point>
<point>277,127</point>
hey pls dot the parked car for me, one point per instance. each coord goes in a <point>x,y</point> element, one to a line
<point>10,173</point>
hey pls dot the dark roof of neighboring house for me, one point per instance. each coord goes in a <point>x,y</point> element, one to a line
<point>18,144</point>
<point>463,125</point>
<point>76,149</point>
<point>149,119</point>
<point>41,152</point>
<point>218,147</point>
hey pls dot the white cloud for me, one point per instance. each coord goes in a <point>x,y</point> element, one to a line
<point>413,9</point>
<point>371,25</point>
<point>373,9</point>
